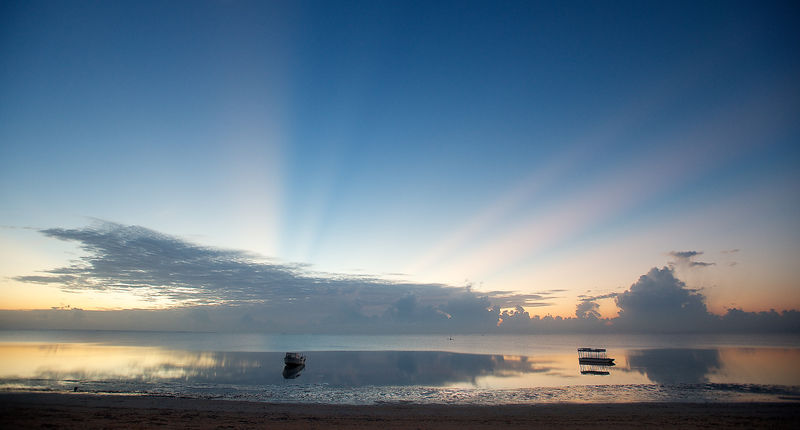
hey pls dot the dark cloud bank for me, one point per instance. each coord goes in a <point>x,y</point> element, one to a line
<point>228,290</point>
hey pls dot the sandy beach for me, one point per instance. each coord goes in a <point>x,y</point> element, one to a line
<point>29,410</point>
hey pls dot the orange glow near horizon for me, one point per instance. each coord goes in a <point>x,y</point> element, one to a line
<point>19,296</point>
<point>73,360</point>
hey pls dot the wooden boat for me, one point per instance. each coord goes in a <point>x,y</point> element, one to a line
<point>294,359</point>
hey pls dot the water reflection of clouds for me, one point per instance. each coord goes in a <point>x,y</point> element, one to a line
<point>337,368</point>
<point>93,362</point>
<point>675,366</point>
<point>403,368</point>
<point>90,361</point>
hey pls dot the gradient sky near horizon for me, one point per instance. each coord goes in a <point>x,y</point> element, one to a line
<point>521,146</point>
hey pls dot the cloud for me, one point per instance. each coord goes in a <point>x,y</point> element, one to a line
<point>687,258</point>
<point>587,309</point>
<point>537,304</point>
<point>585,297</point>
<point>150,264</point>
<point>737,320</point>
<point>510,299</point>
<point>685,255</point>
<point>659,301</point>
<point>701,264</point>
<point>142,261</point>
<point>212,289</point>
<point>731,252</point>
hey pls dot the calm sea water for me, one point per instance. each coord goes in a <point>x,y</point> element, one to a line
<point>418,369</point>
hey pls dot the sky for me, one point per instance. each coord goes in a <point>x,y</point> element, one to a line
<point>399,155</point>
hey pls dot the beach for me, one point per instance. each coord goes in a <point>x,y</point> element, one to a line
<point>67,410</point>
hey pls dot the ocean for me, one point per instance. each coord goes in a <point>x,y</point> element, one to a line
<point>418,369</point>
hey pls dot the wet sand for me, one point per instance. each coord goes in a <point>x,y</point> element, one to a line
<point>53,410</point>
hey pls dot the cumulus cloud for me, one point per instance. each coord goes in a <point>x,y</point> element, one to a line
<point>659,301</point>
<point>587,309</point>
<point>686,258</point>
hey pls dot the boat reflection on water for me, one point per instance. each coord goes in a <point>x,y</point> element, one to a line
<point>594,369</point>
<point>293,371</point>
<point>594,361</point>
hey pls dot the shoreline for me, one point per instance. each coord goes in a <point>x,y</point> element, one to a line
<point>67,410</point>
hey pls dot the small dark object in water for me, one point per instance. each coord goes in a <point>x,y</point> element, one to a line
<point>292,372</point>
<point>294,359</point>
<point>75,390</point>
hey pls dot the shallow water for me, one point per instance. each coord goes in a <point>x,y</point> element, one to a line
<point>417,369</point>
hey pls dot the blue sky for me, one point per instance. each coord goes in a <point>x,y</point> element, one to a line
<point>522,146</point>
